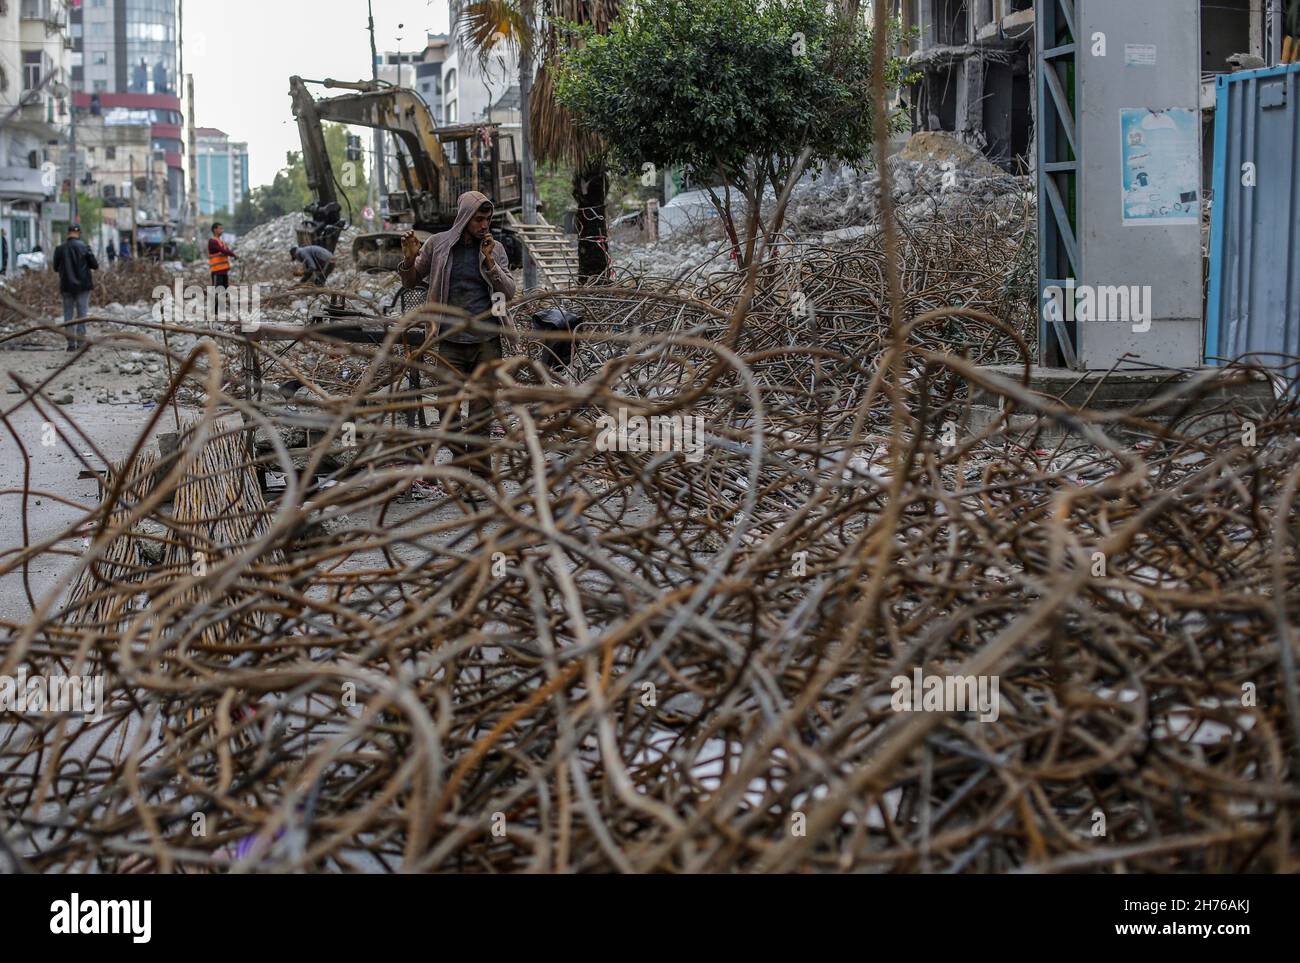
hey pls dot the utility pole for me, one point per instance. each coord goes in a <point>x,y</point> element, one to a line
<point>378,183</point>
<point>130,162</point>
<point>72,157</point>
<point>67,96</point>
<point>529,186</point>
<point>191,154</point>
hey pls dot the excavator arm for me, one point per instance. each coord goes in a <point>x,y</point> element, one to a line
<point>398,111</point>
<point>395,109</point>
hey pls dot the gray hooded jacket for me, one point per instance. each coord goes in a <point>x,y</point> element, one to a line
<point>434,259</point>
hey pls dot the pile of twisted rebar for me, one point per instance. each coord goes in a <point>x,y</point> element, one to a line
<point>664,650</point>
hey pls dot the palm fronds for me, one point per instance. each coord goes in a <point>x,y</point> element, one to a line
<point>491,23</point>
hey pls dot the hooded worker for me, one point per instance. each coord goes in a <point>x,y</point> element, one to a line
<point>465,267</point>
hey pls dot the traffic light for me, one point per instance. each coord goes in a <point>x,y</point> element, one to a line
<point>354,147</point>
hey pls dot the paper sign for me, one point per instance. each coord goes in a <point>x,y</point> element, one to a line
<point>1140,54</point>
<point>1161,165</point>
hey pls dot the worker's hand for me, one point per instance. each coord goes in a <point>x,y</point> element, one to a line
<point>489,245</point>
<point>410,246</point>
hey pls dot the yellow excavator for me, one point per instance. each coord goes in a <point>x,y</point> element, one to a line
<point>436,165</point>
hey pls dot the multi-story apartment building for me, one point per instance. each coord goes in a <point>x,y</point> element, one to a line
<point>127,172</point>
<point>125,68</point>
<point>33,118</point>
<point>420,70</point>
<point>471,91</point>
<point>222,171</point>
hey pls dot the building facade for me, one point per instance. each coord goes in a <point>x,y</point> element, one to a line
<point>34,117</point>
<point>975,60</point>
<point>222,171</point>
<point>421,70</point>
<point>471,89</point>
<point>126,71</point>
<point>126,172</point>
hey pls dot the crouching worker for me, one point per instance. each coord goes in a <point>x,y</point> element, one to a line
<point>465,267</point>
<point>318,262</point>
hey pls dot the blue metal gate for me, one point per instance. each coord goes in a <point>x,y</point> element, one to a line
<point>1254,298</point>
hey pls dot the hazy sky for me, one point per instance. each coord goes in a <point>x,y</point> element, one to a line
<point>242,53</point>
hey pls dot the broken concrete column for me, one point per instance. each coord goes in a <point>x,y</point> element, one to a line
<point>969,75</point>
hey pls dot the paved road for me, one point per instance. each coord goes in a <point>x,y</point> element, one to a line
<point>113,429</point>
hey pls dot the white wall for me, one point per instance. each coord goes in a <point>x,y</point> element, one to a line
<point>475,88</point>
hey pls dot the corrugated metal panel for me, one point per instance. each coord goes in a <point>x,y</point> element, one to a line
<point>1254,300</point>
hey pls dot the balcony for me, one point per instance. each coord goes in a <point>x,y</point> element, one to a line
<point>38,10</point>
<point>36,115</point>
<point>22,184</point>
<point>51,13</point>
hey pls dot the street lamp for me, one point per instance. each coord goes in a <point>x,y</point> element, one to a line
<point>399,55</point>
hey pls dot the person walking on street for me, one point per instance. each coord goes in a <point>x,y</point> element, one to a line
<point>219,255</point>
<point>318,261</point>
<point>111,251</point>
<point>74,260</point>
<point>464,267</point>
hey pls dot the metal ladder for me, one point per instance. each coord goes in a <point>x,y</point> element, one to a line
<point>554,254</point>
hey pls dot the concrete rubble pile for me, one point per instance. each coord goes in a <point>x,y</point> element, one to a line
<point>931,177</point>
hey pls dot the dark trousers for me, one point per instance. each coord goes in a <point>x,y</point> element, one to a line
<point>319,278</point>
<point>465,358</point>
<point>221,279</point>
<point>75,307</point>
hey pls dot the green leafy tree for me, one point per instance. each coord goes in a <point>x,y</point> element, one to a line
<point>90,211</point>
<point>244,218</point>
<point>744,94</point>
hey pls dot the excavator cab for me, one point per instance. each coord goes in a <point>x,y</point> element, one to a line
<point>479,158</point>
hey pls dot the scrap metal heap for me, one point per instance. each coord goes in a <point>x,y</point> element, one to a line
<point>638,660</point>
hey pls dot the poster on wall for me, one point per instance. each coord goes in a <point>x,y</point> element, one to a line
<point>1161,166</point>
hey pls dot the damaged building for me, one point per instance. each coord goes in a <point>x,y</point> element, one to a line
<point>975,60</point>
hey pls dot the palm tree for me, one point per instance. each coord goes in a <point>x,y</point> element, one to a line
<point>550,130</point>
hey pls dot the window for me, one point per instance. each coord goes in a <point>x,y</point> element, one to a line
<point>31,69</point>
<point>451,80</point>
<point>100,86</point>
<point>110,153</point>
<point>101,58</point>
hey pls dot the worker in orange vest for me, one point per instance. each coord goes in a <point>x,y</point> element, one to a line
<point>219,255</point>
